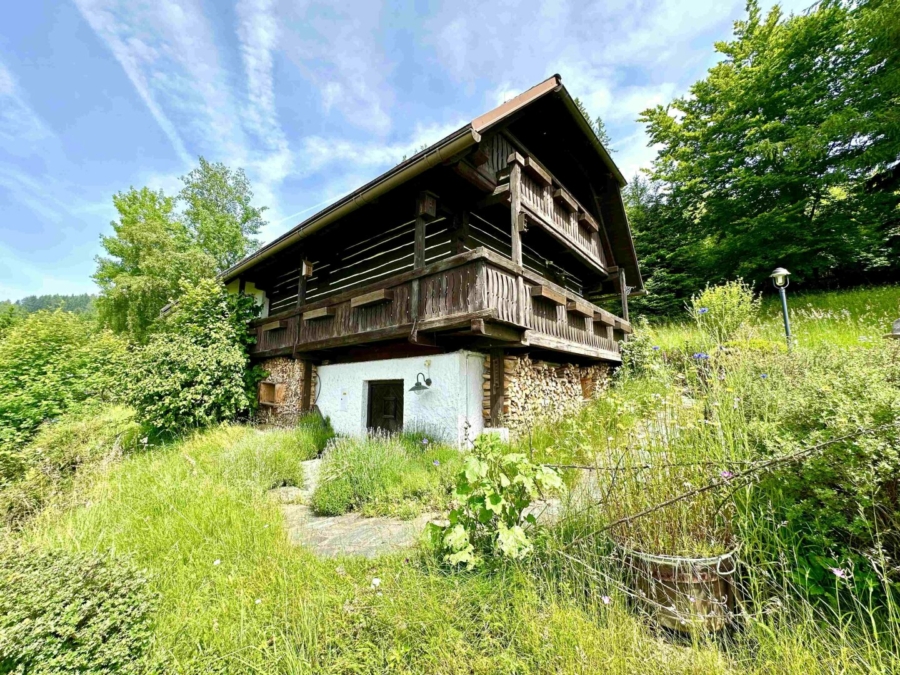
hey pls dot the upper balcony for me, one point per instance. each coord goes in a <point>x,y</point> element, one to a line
<point>543,202</point>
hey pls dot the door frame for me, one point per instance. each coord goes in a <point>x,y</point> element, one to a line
<point>370,400</point>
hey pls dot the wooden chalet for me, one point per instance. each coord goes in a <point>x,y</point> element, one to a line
<point>498,239</point>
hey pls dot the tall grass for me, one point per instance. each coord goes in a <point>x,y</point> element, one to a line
<point>399,475</point>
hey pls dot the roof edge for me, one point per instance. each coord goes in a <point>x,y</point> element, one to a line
<point>415,165</point>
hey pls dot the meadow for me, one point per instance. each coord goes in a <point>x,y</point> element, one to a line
<point>226,592</point>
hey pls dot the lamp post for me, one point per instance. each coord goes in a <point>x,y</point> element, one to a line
<point>780,280</point>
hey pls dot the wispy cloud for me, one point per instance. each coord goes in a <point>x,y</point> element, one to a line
<point>19,124</point>
<point>168,51</point>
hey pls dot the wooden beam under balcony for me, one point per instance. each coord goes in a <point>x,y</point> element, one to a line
<point>579,306</point>
<point>562,197</point>
<point>549,294</point>
<point>321,313</point>
<point>372,298</point>
<point>536,171</point>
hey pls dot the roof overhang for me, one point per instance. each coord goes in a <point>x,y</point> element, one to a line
<point>421,162</point>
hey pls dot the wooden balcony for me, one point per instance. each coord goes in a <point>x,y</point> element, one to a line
<point>545,203</point>
<point>477,294</point>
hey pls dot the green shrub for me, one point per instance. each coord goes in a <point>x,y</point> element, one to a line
<point>384,475</point>
<point>72,613</point>
<point>722,311</point>
<point>47,464</point>
<point>495,489</point>
<point>51,362</point>
<point>195,371</point>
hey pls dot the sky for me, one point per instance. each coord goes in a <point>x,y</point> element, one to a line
<point>312,99</point>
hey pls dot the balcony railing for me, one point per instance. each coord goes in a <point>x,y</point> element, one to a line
<point>453,293</point>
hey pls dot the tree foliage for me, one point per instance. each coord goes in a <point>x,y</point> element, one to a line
<point>770,159</point>
<point>155,247</point>
<point>194,371</point>
<point>597,125</point>
<point>52,362</point>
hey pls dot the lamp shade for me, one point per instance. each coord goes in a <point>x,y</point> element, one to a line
<point>779,277</point>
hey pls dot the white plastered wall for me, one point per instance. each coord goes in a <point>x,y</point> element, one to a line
<point>450,409</point>
<point>251,289</point>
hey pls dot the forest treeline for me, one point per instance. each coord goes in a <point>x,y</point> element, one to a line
<point>786,154</point>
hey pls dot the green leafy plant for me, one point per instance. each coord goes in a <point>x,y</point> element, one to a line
<point>195,370</point>
<point>495,489</point>
<point>51,362</point>
<point>72,613</point>
<point>720,312</point>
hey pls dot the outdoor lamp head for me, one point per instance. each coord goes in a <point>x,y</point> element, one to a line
<point>779,277</point>
<point>419,387</point>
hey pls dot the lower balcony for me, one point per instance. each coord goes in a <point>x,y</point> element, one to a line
<point>477,295</point>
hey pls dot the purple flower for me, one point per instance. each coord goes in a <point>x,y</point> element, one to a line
<point>606,599</point>
<point>764,376</point>
<point>726,474</point>
<point>655,348</point>
<point>436,463</point>
<point>839,573</point>
<point>701,355</point>
<point>424,441</point>
<point>703,310</point>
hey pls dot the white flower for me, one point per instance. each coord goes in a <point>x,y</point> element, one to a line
<point>376,582</point>
<point>258,601</point>
<point>217,562</point>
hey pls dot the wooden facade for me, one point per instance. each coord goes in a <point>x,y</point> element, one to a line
<point>499,238</point>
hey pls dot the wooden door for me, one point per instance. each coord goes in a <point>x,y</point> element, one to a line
<point>386,406</point>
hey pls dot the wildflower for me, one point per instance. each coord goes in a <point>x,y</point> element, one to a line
<point>436,462</point>
<point>692,599</point>
<point>258,601</point>
<point>764,376</point>
<point>703,310</point>
<point>701,355</point>
<point>839,573</point>
<point>655,348</point>
<point>376,582</point>
<point>424,441</point>
<point>726,474</point>
<point>606,599</point>
<point>217,562</point>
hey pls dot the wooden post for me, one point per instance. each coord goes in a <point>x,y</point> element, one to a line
<point>515,162</point>
<point>426,209</point>
<point>306,270</point>
<point>498,385</point>
<point>515,206</point>
<point>623,291</point>
<point>306,392</point>
<point>461,232</point>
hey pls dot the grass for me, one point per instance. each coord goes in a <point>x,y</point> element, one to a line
<point>399,475</point>
<point>236,597</point>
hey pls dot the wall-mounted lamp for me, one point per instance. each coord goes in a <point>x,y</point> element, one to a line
<point>419,387</point>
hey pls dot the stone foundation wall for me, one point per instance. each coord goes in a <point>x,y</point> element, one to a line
<point>288,373</point>
<point>538,391</point>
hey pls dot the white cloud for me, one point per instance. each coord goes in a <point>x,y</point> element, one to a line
<point>19,124</point>
<point>335,47</point>
<point>168,51</point>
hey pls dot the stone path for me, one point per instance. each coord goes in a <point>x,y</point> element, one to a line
<point>349,534</point>
<point>353,534</point>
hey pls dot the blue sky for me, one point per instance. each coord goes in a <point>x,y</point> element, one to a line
<point>311,98</point>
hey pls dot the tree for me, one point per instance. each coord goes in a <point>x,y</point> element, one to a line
<point>195,369</point>
<point>150,254</point>
<point>768,160</point>
<point>597,125</point>
<point>218,213</point>
<point>155,247</point>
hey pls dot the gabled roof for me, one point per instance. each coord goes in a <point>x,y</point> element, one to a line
<point>438,153</point>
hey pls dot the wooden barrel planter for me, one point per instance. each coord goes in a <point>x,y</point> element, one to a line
<point>683,594</point>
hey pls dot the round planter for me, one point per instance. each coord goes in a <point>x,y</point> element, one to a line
<point>683,594</point>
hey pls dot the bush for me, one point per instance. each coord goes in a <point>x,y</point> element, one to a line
<point>51,362</point>
<point>72,613</point>
<point>195,371</point>
<point>495,489</point>
<point>721,311</point>
<point>384,475</point>
<point>60,449</point>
